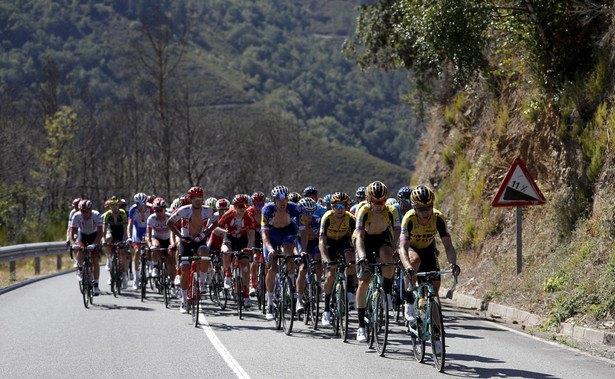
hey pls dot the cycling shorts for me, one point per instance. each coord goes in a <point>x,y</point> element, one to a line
<point>84,240</point>
<point>312,247</point>
<point>164,243</point>
<point>338,248</point>
<point>280,237</point>
<point>138,234</point>
<point>373,244</point>
<point>236,243</point>
<point>429,260</point>
<point>191,248</point>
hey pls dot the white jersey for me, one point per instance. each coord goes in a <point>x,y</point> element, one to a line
<point>87,226</point>
<point>70,217</point>
<point>184,213</point>
<point>159,228</point>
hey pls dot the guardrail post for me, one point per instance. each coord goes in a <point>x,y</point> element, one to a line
<point>59,262</point>
<point>12,272</point>
<point>37,265</point>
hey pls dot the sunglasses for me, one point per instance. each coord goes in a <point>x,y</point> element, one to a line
<point>339,206</point>
<point>158,210</point>
<point>141,203</point>
<point>308,213</point>
<point>259,205</point>
<point>404,200</point>
<point>423,209</point>
<point>240,206</point>
<point>86,210</point>
<point>379,202</point>
<point>280,196</point>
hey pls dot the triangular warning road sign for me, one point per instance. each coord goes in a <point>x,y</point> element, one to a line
<point>518,188</point>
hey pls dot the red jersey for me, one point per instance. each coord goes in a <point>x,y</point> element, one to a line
<point>237,227</point>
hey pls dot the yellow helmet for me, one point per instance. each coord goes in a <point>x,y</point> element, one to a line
<point>377,191</point>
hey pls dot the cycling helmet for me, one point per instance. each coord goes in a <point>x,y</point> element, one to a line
<point>422,196</point>
<point>211,202</point>
<point>113,200</point>
<point>159,203</point>
<point>184,200</point>
<point>327,199</point>
<point>360,192</point>
<point>123,204</point>
<point>340,198</point>
<point>404,193</point>
<point>195,192</point>
<point>241,199</point>
<point>279,192</point>
<point>76,202</point>
<point>377,191</point>
<point>106,204</point>
<point>139,198</point>
<point>85,204</point>
<point>175,204</point>
<point>294,197</point>
<point>258,197</point>
<point>310,190</point>
<point>308,204</point>
<point>150,199</point>
<point>222,204</point>
<point>392,201</point>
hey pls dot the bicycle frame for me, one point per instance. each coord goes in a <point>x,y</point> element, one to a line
<point>194,289</point>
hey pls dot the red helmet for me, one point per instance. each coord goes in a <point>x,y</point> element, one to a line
<point>240,199</point>
<point>106,204</point>
<point>222,204</point>
<point>150,199</point>
<point>258,197</point>
<point>76,202</point>
<point>195,192</point>
<point>159,203</point>
<point>185,200</point>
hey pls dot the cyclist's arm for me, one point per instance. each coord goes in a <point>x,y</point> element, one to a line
<point>250,238</point>
<point>211,227</point>
<point>173,228</point>
<point>99,235</point>
<point>266,242</point>
<point>450,249</point>
<point>129,228</point>
<point>322,245</point>
<point>72,234</point>
<point>360,242</point>
<point>304,239</point>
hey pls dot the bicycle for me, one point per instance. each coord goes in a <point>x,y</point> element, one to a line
<point>377,310</point>
<point>143,272</point>
<point>194,288</point>
<point>217,281</point>
<point>397,294</point>
<point>162,282</point>
<point>237,279</point>
<point>86,284</point>
<point>284,295</point>
<point>311,298</point>
<point>425,328</point>
<point>339,299</point>
<point>261,288</point>
<point>116,268</point>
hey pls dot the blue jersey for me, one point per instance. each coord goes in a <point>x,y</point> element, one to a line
<point>293,210</point>
<point>319,211</point>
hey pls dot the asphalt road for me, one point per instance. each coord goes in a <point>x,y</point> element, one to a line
<point>47,332</point>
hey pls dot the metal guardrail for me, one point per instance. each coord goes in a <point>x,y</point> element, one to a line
<point>35,250</point>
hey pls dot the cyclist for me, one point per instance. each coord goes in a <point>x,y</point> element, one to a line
<point>115,221</point>
<point>312,192</point>
<point>137,224</point>
<point>418,245</point>
<point>360,197</point>
<point>87,225</point>
<point>336,229</point>
<point>193,219</point>
<point>279,229</point>
<point>239,235</point>
<point>403,197</point>
<point>376,234</point>
<point>75,209</point>
<point>311,251</point>
<point>158,235</point>
<point>258,202</point>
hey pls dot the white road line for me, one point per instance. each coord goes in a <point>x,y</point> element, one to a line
<point>224,353</point>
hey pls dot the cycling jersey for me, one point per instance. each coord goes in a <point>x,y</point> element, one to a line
<point>139,223</point>
<point>312,244</point>
<point>234,226</point>
<point>88,226</point>
<point>159,228</point>
<point>293,210</point>
<point>365,217</point>
<point>320,211</point>
<point>422,236</point>
<point>257,225</point>
<point>114,223</point>
<point>184,213</point>
<point>329,229</point>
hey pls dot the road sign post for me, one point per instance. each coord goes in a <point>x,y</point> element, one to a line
<point>518,189</point>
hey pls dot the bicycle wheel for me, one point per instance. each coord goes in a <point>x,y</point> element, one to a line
<point>238,291</point>
<point>314,301</point>
<point>398,295</point>
<point>143,278</point>
<point>418,344</point>
<point>195,296</point>
<point>85,286</point>
<point>288,306</point>
<point>334,305</point>
<point>343,310</point>
<point>214,288</point>
<point>261,290</point>
<point>381,325</point>
<point>369,315</point>
<point>437,334</point>
<point>112,273</point>
<point>277,303</point>
<point>225,293</point>
<point>164,280</point>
